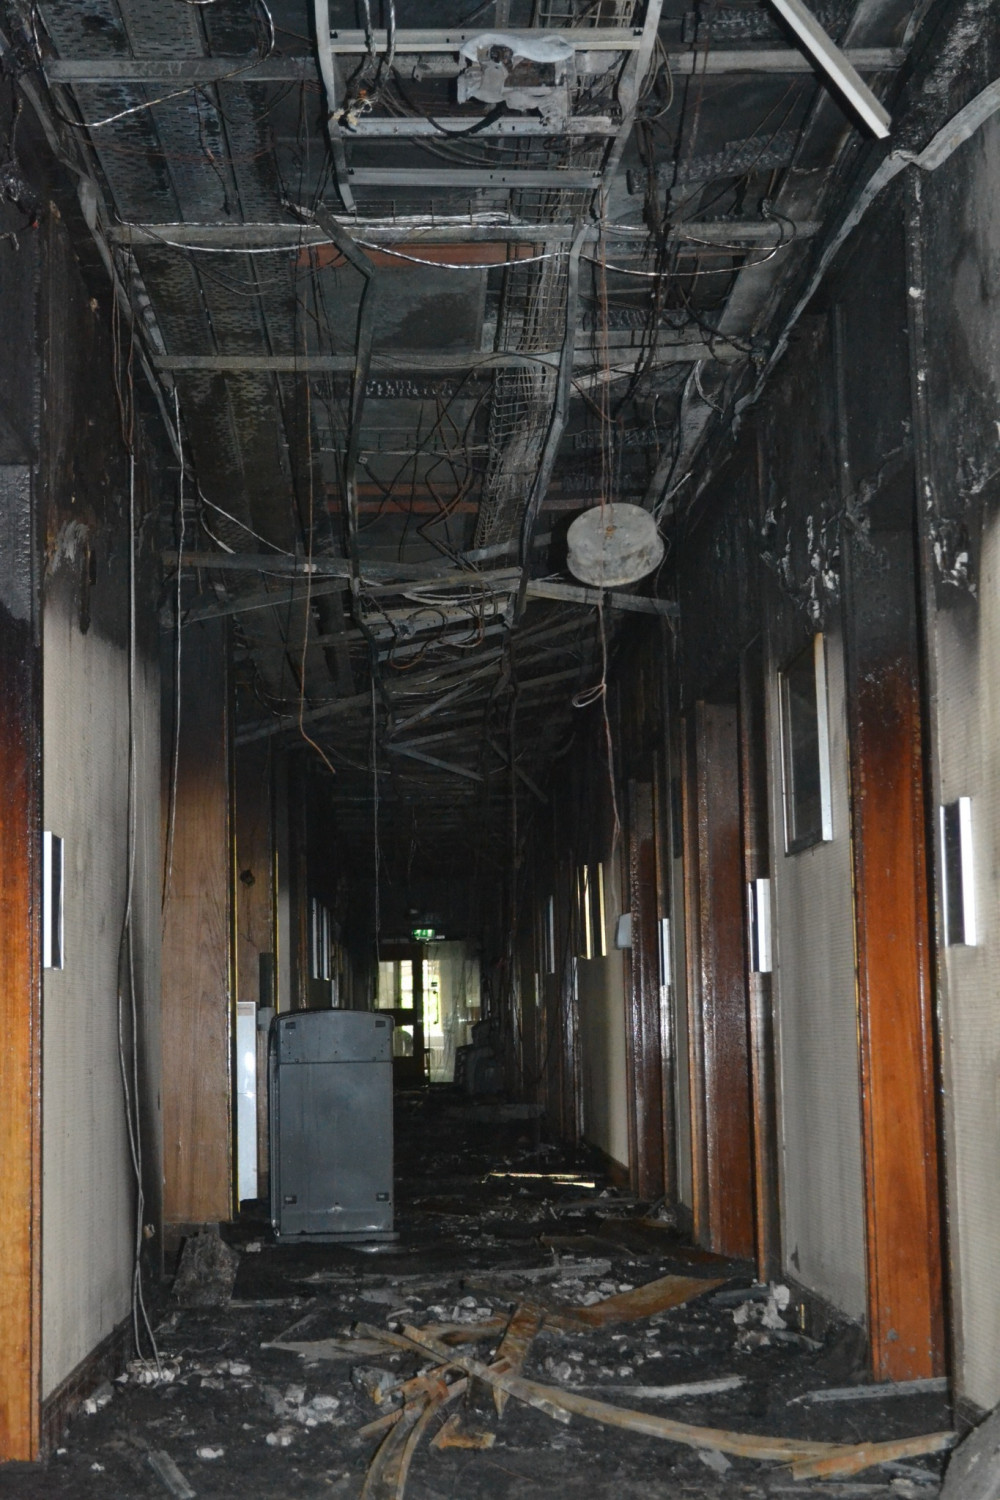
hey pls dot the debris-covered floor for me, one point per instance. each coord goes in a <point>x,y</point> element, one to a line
<point>289,1388</point>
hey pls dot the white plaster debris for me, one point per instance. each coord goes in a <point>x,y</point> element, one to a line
<point>291,1406</point>
<point>713,1459</point>
<point>145,1372</point>
<point>210,1453</point>
<point>753,1317</point>
<point>282,1437</point>
<point>98,1398</point>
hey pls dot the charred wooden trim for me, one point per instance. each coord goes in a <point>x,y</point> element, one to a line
<point>20,964</point>
<point>103,1363</point>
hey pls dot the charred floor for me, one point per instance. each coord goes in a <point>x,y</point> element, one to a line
<point>500,611</point>
<point>282,1387</point>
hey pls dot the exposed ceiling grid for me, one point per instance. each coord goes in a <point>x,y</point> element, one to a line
<point>566,286</point>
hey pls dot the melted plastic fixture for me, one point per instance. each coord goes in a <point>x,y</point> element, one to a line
<point>613,544</point>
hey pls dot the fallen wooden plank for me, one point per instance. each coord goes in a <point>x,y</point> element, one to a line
<point>808,1460</point>
<point>629,1307</point>
<point>858,1457</point>
<point>553,1400</point>
<point>465,1333</point>
<point>514,1346</point>
<point>414,1338</point>
<point>390,1463</point>
<point>459,1434</point>
<point>383,1423</point>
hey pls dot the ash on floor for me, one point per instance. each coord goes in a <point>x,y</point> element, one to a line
<point>266,1394</point>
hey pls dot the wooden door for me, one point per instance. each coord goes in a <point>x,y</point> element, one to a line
<point>722,1080</point>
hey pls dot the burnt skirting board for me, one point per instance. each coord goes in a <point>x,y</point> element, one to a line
<point>105,1362</point>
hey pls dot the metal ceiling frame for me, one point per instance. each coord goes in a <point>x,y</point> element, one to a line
<point>230,359</point>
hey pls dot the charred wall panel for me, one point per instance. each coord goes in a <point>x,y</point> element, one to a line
<point>884,689</point>
<point>101,775</point>
<point>957,291</point>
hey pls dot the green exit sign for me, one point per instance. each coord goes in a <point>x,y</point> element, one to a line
<point>423,934</point>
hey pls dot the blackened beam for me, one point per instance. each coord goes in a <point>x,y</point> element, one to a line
<point>532,786</point>
<point>199,70</point>
<point>403,574</point>
<point>432,760</point>
<point>469,684</point>
<point>412,127</point>
<point>630,84</point>
<point>543,588</point>
<point>496,577</point>
<point>680,352</point>
<point>397,649</point>
<point>214,609</point>
<point>560,411</point>
<point>587,39</point>
<point>260,562</point>
<point>562,178</point>
<point>357,703</point>
<point>495,746</point>
<point>360,703</point>
<point>289,237</point>
<point>501,581</point>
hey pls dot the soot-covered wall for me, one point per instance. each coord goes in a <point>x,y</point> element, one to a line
<point>100,769</point>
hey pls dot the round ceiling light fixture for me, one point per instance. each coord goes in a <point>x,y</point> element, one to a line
<point>612,545</point>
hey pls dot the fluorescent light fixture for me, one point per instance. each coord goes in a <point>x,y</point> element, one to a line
<point>829,58</point>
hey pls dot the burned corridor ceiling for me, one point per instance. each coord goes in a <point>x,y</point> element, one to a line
<point>405,341</point>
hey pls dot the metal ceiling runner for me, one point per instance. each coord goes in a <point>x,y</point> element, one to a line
<point>393,277</point>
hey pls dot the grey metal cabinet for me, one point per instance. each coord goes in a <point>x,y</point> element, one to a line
<point>330,1110</point>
